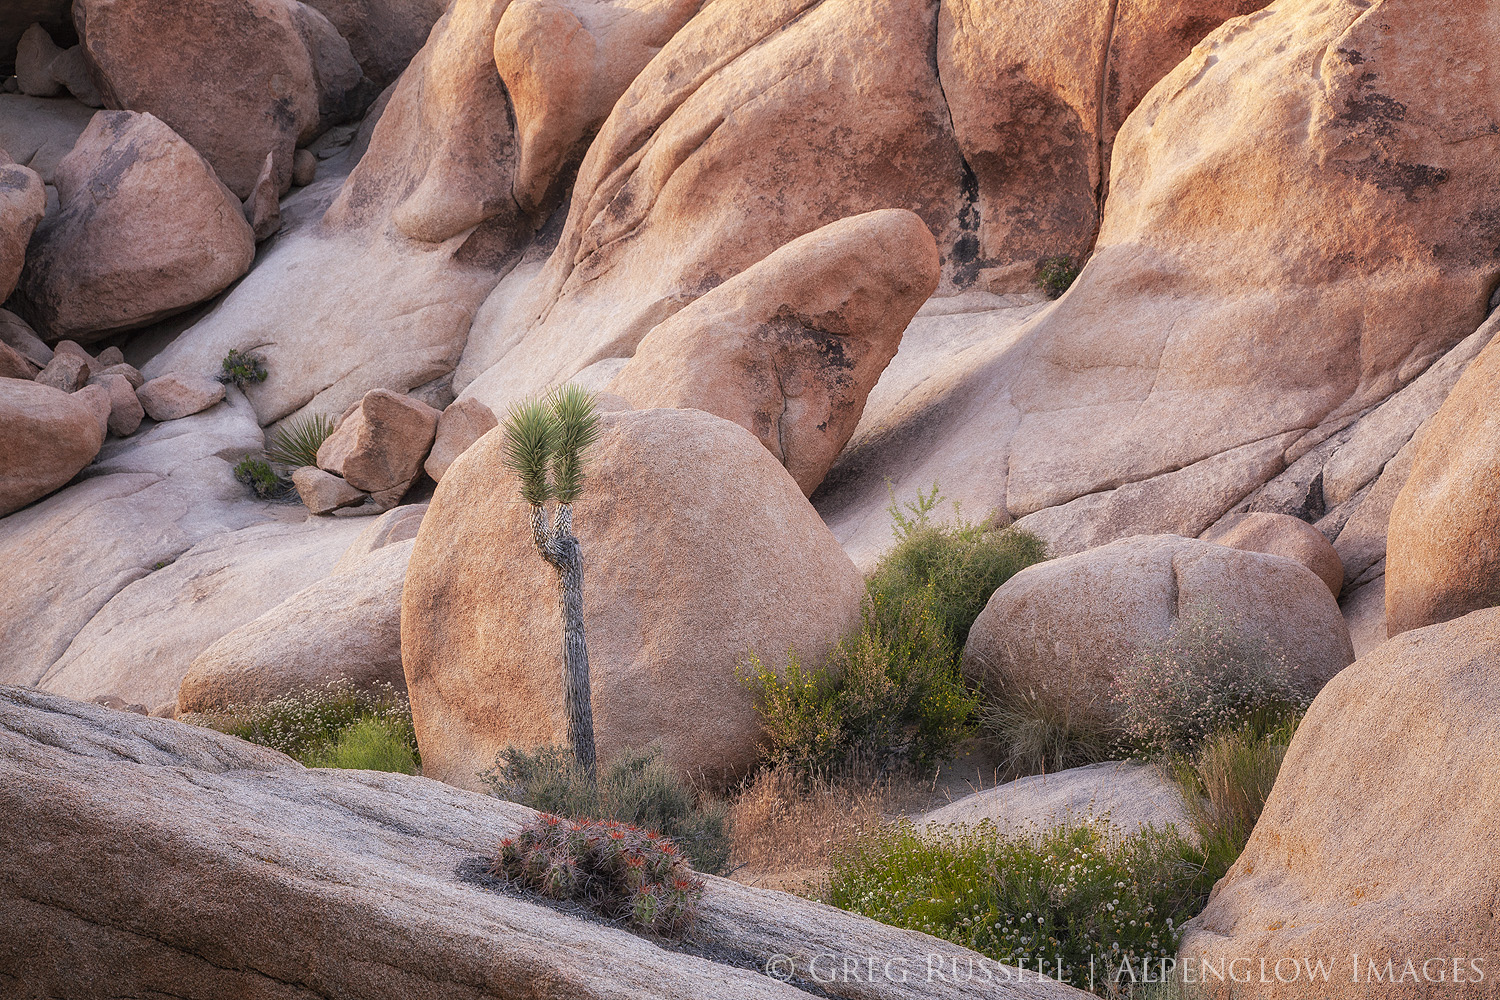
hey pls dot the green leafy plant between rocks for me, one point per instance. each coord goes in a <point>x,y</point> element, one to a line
<point>1055,275</point>
<point>617,870</point>
<point>297,443</point>
<point>241,369</point>
<point>257,474</point>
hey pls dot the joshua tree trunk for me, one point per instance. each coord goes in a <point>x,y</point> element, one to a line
<point>560,548</point>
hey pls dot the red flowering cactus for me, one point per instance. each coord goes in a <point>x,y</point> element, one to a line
<point>619,871</point>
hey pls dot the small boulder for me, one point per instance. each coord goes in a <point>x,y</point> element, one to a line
<point>13,365</point>
<point>46,437</point>
<point>130,372</point>
<point>697,546</point>
<point>380,444</point>
<point>45,70</point>
<point>1379,837</point>
<point>323,492</point>
<point>15,333</point>
<point>462,423</point>
<point>304,168</point>
<point>23,202</point>
<point>174,396</point>
<point>1060,628</point>
<point>790,348</point>
<point>125,409</point>
<point>108,358</point>
<point>65,372</point>
<point>263,207</point>
<point>97,398</point>
<point>144,231</point>
<point>1287,536</point>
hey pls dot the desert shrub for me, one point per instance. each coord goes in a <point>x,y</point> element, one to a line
<point>1056,275</point>
<point>617,870</point>
<point>241,369</point>
<point>888,695</point>
<point>1207,675</point>
<point>371,744</point>
<point>1078,897</point>
<point>1034,736</point>
<point>307,725</point>
<point>296,444</point>
<point>639,789</point>
<point>955,567</point>
<point>257,474</point>
<point>1227,779</point>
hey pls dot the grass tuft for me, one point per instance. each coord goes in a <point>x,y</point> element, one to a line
<point>257,474</point>
<point>297,443</point>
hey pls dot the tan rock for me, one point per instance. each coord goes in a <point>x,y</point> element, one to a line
<point>172,397</point>
<point>291,76</point>
<point>19,15</point>
<point>196,801</point>
<point>77,350</point>
<point>131,375</point>
<point>481,628</point>
<point>1364,610</point>
<point>1060,628</point>
<point>46,437</point>
<point>304,168</point>
<point>383,35</point>
<point>13,365</point>
<point>145,231</point>
<point>45,70</point>
<point>108,358</point>
<point>65,372</point>
<point>97,399</point>
<point>16,334</point>
<point>323,492</point>
<point>1371,843</point>
<point>790,348</point>
<point>263,207</point>
<point>39,131</point>
<point>462,423</point>
<point>346,626</point>
<point>1441,558</point>
<point>379,447</point>
<point>22,204</point>
<point>125,410</point>
<point>1289,537</point>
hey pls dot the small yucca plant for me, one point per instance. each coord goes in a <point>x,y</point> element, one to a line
<point>297,443</point>
<point>544,444</point>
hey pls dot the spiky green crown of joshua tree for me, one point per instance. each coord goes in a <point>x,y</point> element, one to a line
<point>544,444</point>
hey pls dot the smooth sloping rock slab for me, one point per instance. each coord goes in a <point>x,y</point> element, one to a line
<point>1129,796</point>
<point>199,866</point>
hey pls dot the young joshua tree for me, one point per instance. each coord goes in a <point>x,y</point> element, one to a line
<point>550,435</point>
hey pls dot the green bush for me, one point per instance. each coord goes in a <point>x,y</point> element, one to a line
<point>371,744</point>
<point>890,694</point>
<point>1034,736</point>
<point>617,870</point>
<point>241,369</point>
<point>1206,676</point>
<point>639,789</point>
<point>1227,779</point>
<point>955,567</point>
<point>296,444</point>
<point>307,725</point>
<point>1077,896</point>
<point>259,476</point>
<point>1056,275</point>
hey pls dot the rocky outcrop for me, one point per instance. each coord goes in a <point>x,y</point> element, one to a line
<point>1128,797</point>
<point>679,502</point>
<point>309,883</point>
<point>1060,629</point>
<point>1289,537</point>
<point>344,627</point>
<point>46,437</point>
<point>1442,560</point>
<point>379,446</point>
<point>790,348</point>
<point>294,75</point>
<point>145,231</point>
<point>23,201</point>
<point>1373,843</point>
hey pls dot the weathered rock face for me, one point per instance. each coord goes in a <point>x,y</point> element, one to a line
<point>1156,370</point>
<point>16,334</point>
<point>680,502</point>
<point>1373,840</point>
<point>346,626</point>
<point>462,423</point>
<point>379,446</point>
<point>1443,555</point>
<point>14,365</point>
<point>790,348</point>
<point>293,75</point>
<point>1289,537</point>
<point>38,132</point>
<point>23,201</point>
<point>145,231</point>
<point>1129,797</point>
<point>194,846</point>
<point>1038,92</point>
<point>383,35</point>
<point>46,437</point>
<point>1060,628</point>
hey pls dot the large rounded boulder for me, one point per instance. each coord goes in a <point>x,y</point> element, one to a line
<point>1378,842</point>
<point>46,437</point>
<point>1060,629</point>
<point>698,547</point>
